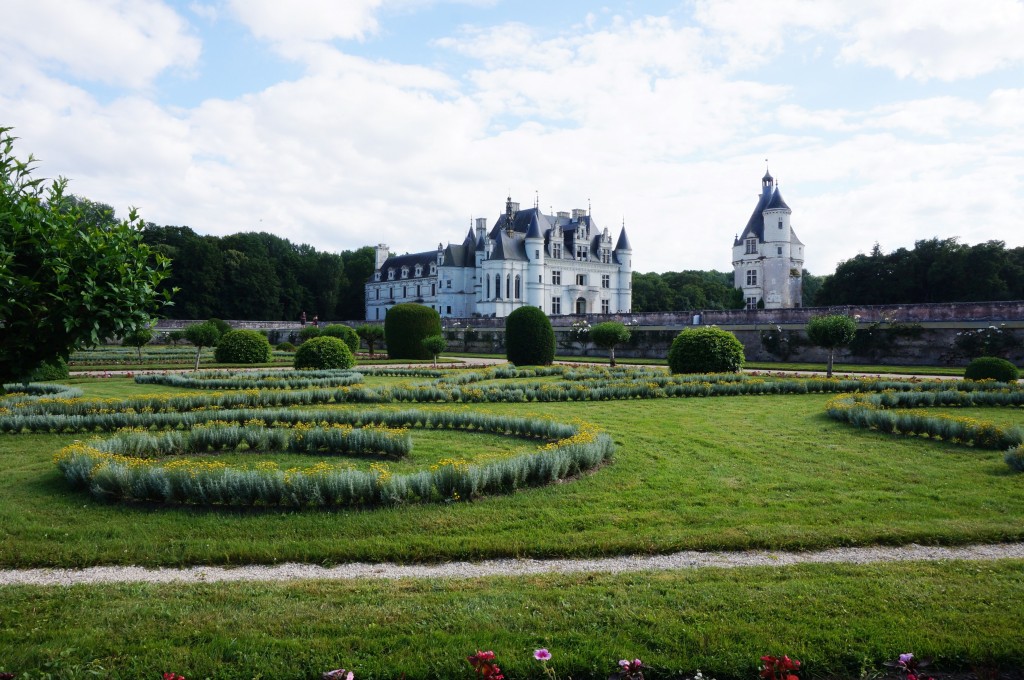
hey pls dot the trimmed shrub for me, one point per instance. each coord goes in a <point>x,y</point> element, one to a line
<point>705,350</point>
<point>343,333</point>
<point>405,327</point>
<point>992,368</point>
<point>50,370</point>
<point>371,335</point>
<point>608,335</point>
<point>529,338</point>
<point>242,347</point>
<point>308,333</point>
<point>285,347</point>
<point>323,353</point>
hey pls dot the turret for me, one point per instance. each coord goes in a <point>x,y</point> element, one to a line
<point>535,255</point>
<point>624,256</point>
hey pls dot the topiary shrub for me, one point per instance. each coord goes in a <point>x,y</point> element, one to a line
<point>323,353</point>
<point>705,350</point>
<point>343,333</point>
<point>308,333</point>
<point>285,347</point>
<point>991,368</point>
<point>405,327</point>
<point>242,347</point>
<point>529,338</point>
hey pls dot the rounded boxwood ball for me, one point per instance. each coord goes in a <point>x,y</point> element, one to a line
<point>705,350</point>
<point>529,338</point>
<point>324,353</point>
<point>405,327</point>
<point>344,333</point>
<point>242,347</point>
<point>992,368</point>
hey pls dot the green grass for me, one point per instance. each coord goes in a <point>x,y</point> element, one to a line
<point>722,473</point>
<point>716,473</point>
<point>839,620</point>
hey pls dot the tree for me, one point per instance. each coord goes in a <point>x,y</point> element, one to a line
<point>608,335</point>
<point>371,335</point>
<point>202,335</point>
<point>830,332</point>
<point>435,344</point>
<point>138,338</point>
<point>66,281</point>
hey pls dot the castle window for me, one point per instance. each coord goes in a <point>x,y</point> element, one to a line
<point>405,272</point>
<point>391,293</point>
<point>556,278</point>
<point>556,305</point>
<point>391,274</point>
<point>751,246</point>
<point>448,283</point>
<point>449,309</point>
<point>405,291</point>
<point>378,293</point>
<point>581,279</point>
<point>378,314</point>
<point>606,281</point>
<point>751,303</point>
<point>518,293</point>
<point>497,286</point>
<point>536,254</point>
<point>376,276</point>
<point>508,286</point>
<point>418,293</point>
<point>780,250</point>
<point>581,252</point>
<point>433,269</point>
<point>605,307</point>
<point>488,288</point>
<point>751,277</point>
<point>433,289</point>
<point>419,270</point>
<point>780,223</point>
<point>556,250</point>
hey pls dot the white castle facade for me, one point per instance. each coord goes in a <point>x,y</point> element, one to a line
<point>561,263</point>
<point>767,256</point>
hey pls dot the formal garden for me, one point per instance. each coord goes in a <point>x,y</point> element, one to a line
<point>425,466</point>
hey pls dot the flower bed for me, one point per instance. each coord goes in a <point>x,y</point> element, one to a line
<point>247,380</point>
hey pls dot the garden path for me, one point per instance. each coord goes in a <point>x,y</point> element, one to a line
<point>508,567</point>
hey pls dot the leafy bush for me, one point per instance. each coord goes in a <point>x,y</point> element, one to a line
<point>345,334</point>
<point>705,350</point>
<point>324,353</point>
<point>608,335</point>
<point>991,368</point>
<point>285,347</point>
<point>529,338</point>
<point>308,333</point>
<point>50,370</point>
<point>243,347</point>
<point>223,327</point>
<point>405,327</point>
<point>435,344</point>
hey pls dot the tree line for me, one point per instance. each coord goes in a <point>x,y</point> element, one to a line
<point>259,276</point>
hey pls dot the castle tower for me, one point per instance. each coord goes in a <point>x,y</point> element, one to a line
<point>624,257</point>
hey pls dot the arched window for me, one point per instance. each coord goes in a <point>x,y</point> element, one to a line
<point>508,286</point>
<point>497,286</point>
<point>488,288</point>
<point>518,292</point>
<point>405,272</point>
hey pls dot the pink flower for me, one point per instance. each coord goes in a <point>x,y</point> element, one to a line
<point>541,654</point>
<point>905,658</point>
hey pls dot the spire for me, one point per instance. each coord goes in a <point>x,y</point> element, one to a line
<point>623,243</point>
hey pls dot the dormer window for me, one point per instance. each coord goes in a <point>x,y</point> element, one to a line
<point>419,270</point>
<point>391,274</point>
<point>433,269</point>
<point>751,246</point>
<point>405,272</point>
<point>376,276</point>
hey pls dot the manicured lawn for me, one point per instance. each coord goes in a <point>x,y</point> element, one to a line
<point>840,620</point>
<point>717,473</point>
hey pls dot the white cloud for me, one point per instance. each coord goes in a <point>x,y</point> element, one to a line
<point>922,39</point>
<point>312,20</point>
<point>124,43</point>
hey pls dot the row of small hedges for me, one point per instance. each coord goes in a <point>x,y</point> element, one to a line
<point>406,326</point>
<point>243,347</point>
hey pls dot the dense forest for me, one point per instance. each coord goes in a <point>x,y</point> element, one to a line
<point>259,276</point>
<point>935,270</point>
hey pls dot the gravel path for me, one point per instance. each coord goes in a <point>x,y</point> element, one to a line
<point>513,567</point>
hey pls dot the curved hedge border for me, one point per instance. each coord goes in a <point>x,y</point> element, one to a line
<point>247,380</point>
<point>878,412</point>
<point>19,393</point>
<point>110,475</point>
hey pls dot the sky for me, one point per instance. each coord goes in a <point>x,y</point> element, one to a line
<point>344,123</point>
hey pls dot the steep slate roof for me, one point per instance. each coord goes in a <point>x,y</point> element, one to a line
<point>777,202</point>
<point>456,256</point>
<point>409,260</point>
<point>623,242</point>
<point>509,247</point>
